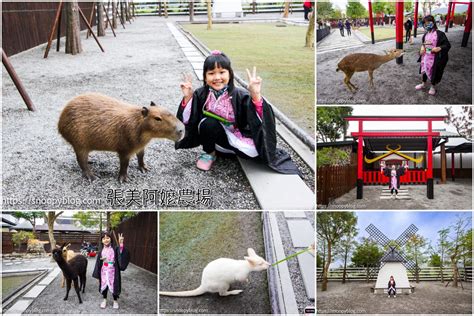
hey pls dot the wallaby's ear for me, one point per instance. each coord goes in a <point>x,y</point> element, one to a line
<point>63,245</point>
<point>152,103</point>
<point>251,261</point>
<point>144,112</point>
<point>251,252</point>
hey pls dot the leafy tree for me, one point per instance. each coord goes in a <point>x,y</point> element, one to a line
<point>325,10</point>
<point>435,261</point>
<point>337,14</point>
<point>378,6</point>
<point>408,6</point>
<point>345,247</point>
<point>31,217</point>
<point>319,261</point>
<point>330,122</point>
<point>458,244</point>
<point>416,250</point>
<point>467,249</point>
<point>390,10</point>
<point>442,246</point>
<point>461,121</point>
<point>332,157</point>
<point>21,237</point>
<point>331,227</point>
<point>367,254</point>
<point>355,10</point>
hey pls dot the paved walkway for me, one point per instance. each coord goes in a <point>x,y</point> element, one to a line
<point>450,196</point>
<point>46,297</point>
<point>335,42</point>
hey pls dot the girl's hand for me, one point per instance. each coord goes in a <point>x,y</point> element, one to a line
<point>436,49</point>
<point>422,50</point>
<point>187,87</point>
<point>255,84</point>
<point>121,239</point>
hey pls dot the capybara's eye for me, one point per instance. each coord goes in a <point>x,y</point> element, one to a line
<point>158,119</point>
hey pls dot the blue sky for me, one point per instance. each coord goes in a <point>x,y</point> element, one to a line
<point>394,223</point>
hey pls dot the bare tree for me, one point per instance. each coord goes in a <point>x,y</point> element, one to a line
<point>100,19</point>
<point>286,11</point>
<point>50,218</point>
<point>191,10</point>
<point>461,121</point>
<point>73,39</point>
<point>114,16</point>
<point>310,32</point>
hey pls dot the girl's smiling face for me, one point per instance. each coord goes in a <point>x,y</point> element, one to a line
<point>217,78</point>
<point>106,240</point>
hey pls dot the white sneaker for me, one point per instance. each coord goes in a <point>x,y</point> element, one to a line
<point>420,86</point>
<point>388,296</point>
<point>396,196</point>
<point>394,296</point>
<point>103,304</point>
<point>116,306</point>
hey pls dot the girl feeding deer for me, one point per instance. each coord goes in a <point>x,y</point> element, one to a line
<point>228,120</point>
<point>110,261</point>
<point>433,55</point>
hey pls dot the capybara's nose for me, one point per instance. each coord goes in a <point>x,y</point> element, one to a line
<point>180,131</point>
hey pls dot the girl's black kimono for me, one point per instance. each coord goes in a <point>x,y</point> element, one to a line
<point>121,261</point>
<point>392,288</point>
<point>388,173</point>
<point>263,132</point>
<point>441,58</point>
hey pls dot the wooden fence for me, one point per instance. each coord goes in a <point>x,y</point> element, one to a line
<point>334,181</point>
<point>426,274</point>
<point>28,24</point>
<point>200,7</point>
<point>74,238</point>
<point>140,233</point>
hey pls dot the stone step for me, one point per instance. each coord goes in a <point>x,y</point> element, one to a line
<point>306,263</point>
<point>302,232</point>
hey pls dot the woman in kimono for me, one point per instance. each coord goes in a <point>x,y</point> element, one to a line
<point>394,174</point>
<point>110,261</point>
<point>433,55</point>
<point>392,290</point>
<point>228,120</point>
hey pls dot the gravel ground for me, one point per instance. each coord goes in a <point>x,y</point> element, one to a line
<point>143,63</point>
<point>450,196</point>
<point>184,256</point>
<point>429,298</point>
<point>137,285</point>
<point>395,84</point>
<point>293,266</point>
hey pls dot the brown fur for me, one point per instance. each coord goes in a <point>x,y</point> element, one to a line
<point>67,255</point>
<point>364,62</point>
<point>97,122</point>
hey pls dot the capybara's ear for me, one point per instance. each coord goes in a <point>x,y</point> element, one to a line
<point>152,103</point>
<point>145,112</point>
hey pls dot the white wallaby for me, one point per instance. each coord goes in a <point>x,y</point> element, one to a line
<point>219,274</point>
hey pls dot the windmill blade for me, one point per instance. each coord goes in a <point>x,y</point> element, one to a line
<point>409,264</point>
<point>376,234</point>
<point>405,236</point>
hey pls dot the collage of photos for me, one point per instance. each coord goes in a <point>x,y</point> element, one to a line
<point>302,157</point>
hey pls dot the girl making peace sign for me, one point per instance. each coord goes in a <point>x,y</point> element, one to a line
<point>226,119</point>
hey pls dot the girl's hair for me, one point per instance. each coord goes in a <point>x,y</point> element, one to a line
<point>430,18</point>
<point>109,234</point>
<point>218,59</point>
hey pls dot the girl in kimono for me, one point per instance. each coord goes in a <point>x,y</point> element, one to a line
<point>394,174</point>
<point>110,261</point>
<point>392,287</point>
<point>228,120</point>
<point>433,55</point>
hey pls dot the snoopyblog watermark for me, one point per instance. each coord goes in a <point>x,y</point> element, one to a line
<point>51,201</point>
<point>166,198</point>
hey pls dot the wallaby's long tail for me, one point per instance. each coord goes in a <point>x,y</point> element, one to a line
<point>196,292</point>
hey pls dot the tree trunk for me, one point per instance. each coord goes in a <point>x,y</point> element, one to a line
<point>455,271</point>
<point>441,266</point>
<point>345,266</point>
<point>73,39</point>
<point>324,285</point>
<point>100,19</point>
<point>51,217</point>
<point>367,275</point>
<point>127,11</point>
<point>122,11</point>
<point>286,12</point>
<point>310,32</point>
<point>166,8</point>
<point>209,15</point>
<point>114,17</point>
<point>191,11</point>
<point>109,226</point>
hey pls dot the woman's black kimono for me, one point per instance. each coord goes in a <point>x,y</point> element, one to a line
<point>388,173</point>
<point>392,291</point>
<point>441,58</point>
<point>121,262</point>
<point>263,132</point>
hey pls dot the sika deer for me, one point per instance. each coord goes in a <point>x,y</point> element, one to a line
<point>364,62</point>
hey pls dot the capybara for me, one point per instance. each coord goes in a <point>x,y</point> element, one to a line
<point>94,121</point>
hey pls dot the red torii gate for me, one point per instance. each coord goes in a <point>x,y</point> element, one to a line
<point>429,134</point>
<point>467,26</point>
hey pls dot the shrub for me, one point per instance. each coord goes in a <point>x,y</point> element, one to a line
<point>22,237</point>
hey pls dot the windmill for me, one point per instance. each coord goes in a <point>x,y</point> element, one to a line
<point>393,262</point>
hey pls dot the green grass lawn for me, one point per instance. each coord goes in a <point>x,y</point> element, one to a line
<point>381,33</point>
<point>285,65</point>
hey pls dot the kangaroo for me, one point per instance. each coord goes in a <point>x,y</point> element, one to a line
<point>364,62</point>
<point>219,274</point>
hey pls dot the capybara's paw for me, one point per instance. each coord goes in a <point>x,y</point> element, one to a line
<point>123,178</point>
<point>65,299</point>
<point>143,168</point>
<point>90,176</point>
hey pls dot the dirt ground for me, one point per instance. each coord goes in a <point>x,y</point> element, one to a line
<point>189,241</point>
<point>428,298</point>
<point>395,84</point>
<point>450,196</point>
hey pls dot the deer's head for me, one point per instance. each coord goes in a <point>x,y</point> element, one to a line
<point>395,53</point>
